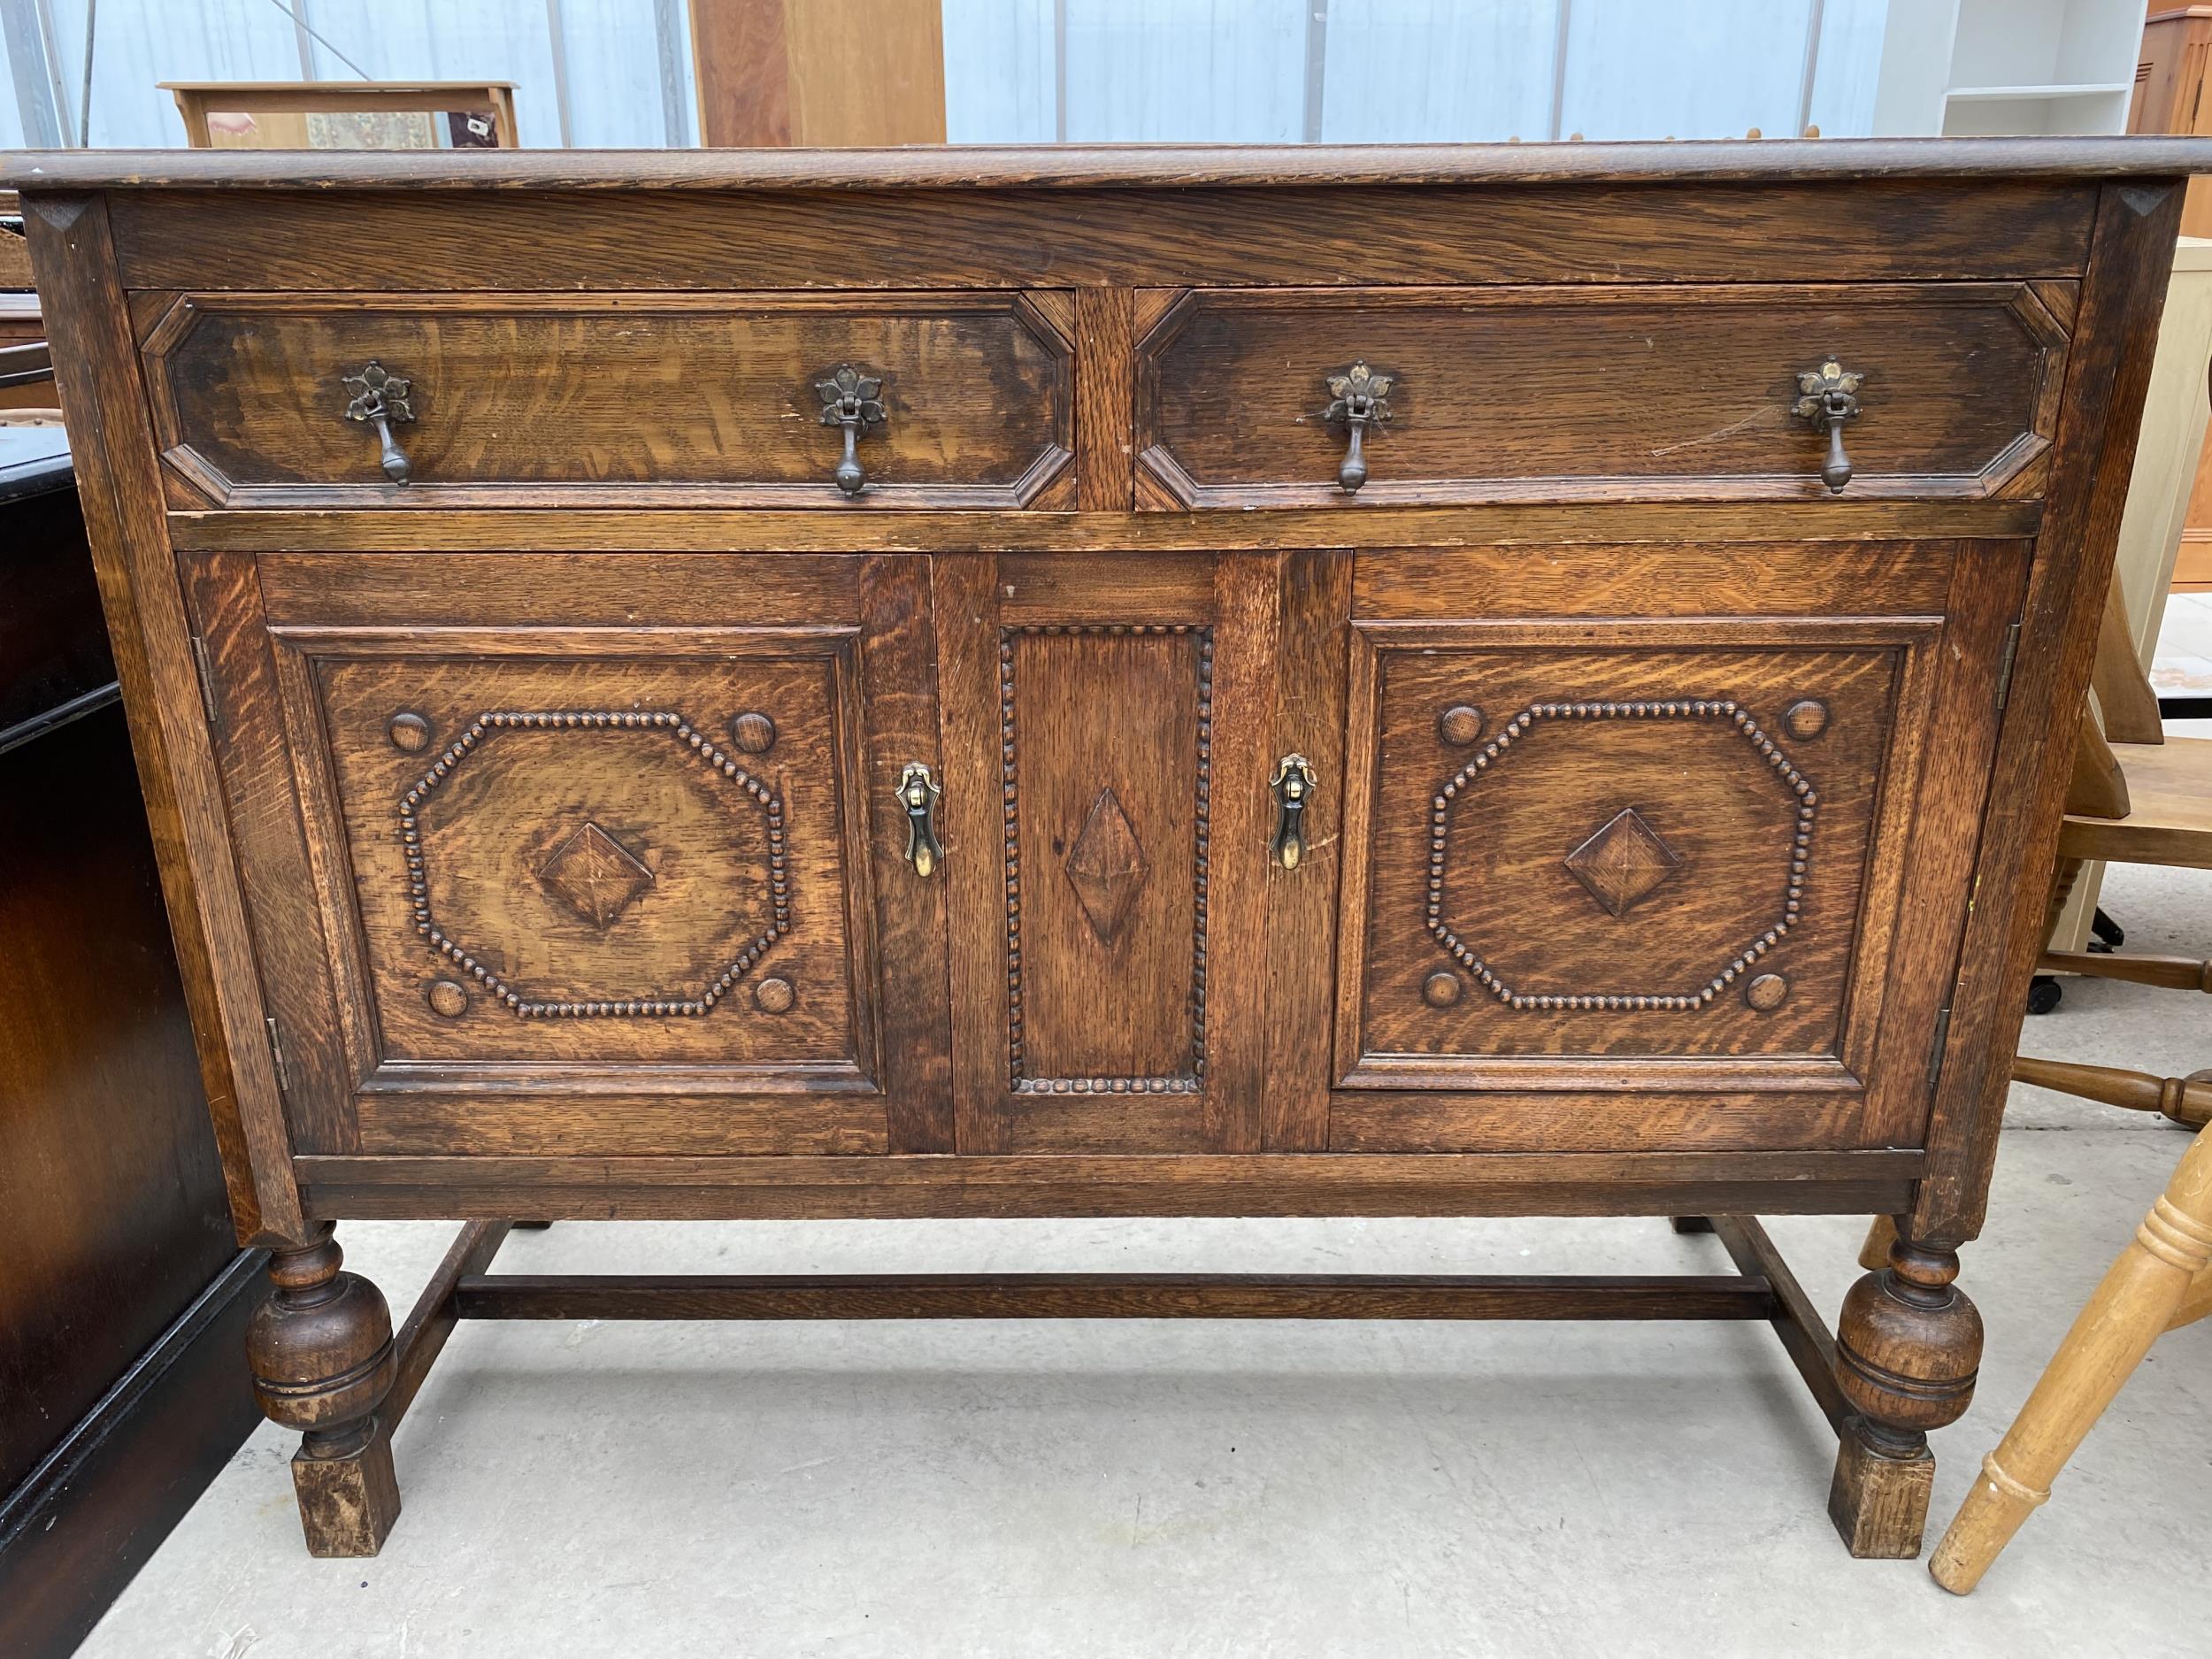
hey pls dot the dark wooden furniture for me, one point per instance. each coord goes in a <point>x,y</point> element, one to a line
<point>1110,683</point>
<point>478,114</point>
<point>124,1297</point>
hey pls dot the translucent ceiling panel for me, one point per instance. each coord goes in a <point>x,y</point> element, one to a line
<point>1402,71</point>
<point>1849,67</point>
<point>1712,69</point>
<point>1194,71</point>
<point>999,85</point>
<point>141,42</point>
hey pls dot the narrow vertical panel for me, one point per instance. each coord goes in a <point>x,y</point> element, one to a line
<point>1315,603</point>
<point>742,66</point>
<point>898,671</point>
<point>224,601</point>
<point>971,824</point>
<point>95,370</point>
<point>872,76</point>
<point>1105,366</point>
<point>2108,372</point>
<point>1987,582</point>
<point>1245,631</point>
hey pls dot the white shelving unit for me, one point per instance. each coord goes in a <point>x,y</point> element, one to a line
<point>1982,67</point>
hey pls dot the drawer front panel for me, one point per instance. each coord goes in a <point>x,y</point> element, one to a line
<point>710,399</point>
<point>1603,392</point>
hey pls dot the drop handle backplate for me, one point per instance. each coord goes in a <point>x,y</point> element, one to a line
<point>852,400</point>
<point>919,793</point>
<point>1293,784</point>
<point>381,398</point>
<point>1828,396</point>
<point>1362,403</point>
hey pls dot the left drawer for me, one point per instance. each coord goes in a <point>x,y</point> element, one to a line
<point>750,400</point>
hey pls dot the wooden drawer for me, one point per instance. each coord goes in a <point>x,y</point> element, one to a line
<point>1599,393</point>
<point>706,399</point>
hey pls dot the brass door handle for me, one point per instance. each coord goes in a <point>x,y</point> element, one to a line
<point>1361,402</point>
<point>382,398</point>
<point>1829,395</point>
<point>853,401</point>
<point>1293,784</point>
<point>919,794</point>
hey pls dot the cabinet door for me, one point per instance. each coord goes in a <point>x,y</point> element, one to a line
<point>1640,880</point>
<point>1111,729</point>
<point>585,854</point>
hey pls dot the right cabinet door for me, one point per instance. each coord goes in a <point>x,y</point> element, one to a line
<point>1689,878</point>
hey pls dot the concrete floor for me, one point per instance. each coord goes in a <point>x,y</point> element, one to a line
<point>1165,1489</point>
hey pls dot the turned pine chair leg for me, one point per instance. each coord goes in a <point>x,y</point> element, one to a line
<point>322,1358</point>
<point>2139,1298</point>
<point>1908,1347</point>
<point>1881,1232</point>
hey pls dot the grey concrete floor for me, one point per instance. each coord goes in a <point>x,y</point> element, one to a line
<point>1164,1489</point>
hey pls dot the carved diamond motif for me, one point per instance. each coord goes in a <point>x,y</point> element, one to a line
<point>1106,867</point>
<point>595,875</point>
<point>1624,863</point>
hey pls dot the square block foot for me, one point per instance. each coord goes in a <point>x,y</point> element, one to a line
<point>347,1504</point>
<point>1879,1503</point>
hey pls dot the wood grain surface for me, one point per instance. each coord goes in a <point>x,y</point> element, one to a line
<point>1507,393</point>
<point>666,399</point>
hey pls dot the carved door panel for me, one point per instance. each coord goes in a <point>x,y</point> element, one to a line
<point>1111,735</point>
<point>1641,881</point>
<point>608,839</point>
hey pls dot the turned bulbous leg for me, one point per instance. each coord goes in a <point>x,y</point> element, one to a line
<point>323,1361</point>
<point>1908,1347</point>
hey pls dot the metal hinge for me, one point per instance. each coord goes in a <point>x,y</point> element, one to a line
<point>207,686</point>
<point>276,1053</point>
<point>1939,1043</point>
<point>2004,665</point>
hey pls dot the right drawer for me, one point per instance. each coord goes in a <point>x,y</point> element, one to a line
<point>1255,398</point>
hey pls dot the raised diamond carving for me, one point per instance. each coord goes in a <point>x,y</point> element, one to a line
<point>595,875</point>
<point>1106,867</point>
<point>1623,864</point>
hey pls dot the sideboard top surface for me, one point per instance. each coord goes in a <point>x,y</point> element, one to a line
<point>1113,166</point>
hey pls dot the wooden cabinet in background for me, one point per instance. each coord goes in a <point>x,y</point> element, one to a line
<point>124,1296</point>
<point>2171,96</point>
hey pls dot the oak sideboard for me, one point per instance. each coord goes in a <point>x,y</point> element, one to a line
<point>1487,681</point>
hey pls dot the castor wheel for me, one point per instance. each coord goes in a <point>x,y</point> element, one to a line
<point>2110,934</point>
<point>2044,992</point>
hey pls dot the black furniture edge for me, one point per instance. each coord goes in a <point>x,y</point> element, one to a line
<point>82,1523</point>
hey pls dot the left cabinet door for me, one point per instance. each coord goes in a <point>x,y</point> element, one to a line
<point>580,854</point>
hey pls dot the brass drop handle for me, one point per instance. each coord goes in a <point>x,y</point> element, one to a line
<point>1361,401</point>
<point>919,794</point>
<point>1829,395</point>
<point>382,398</point>
<point>852,400</point>
<point>1293,784</point>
